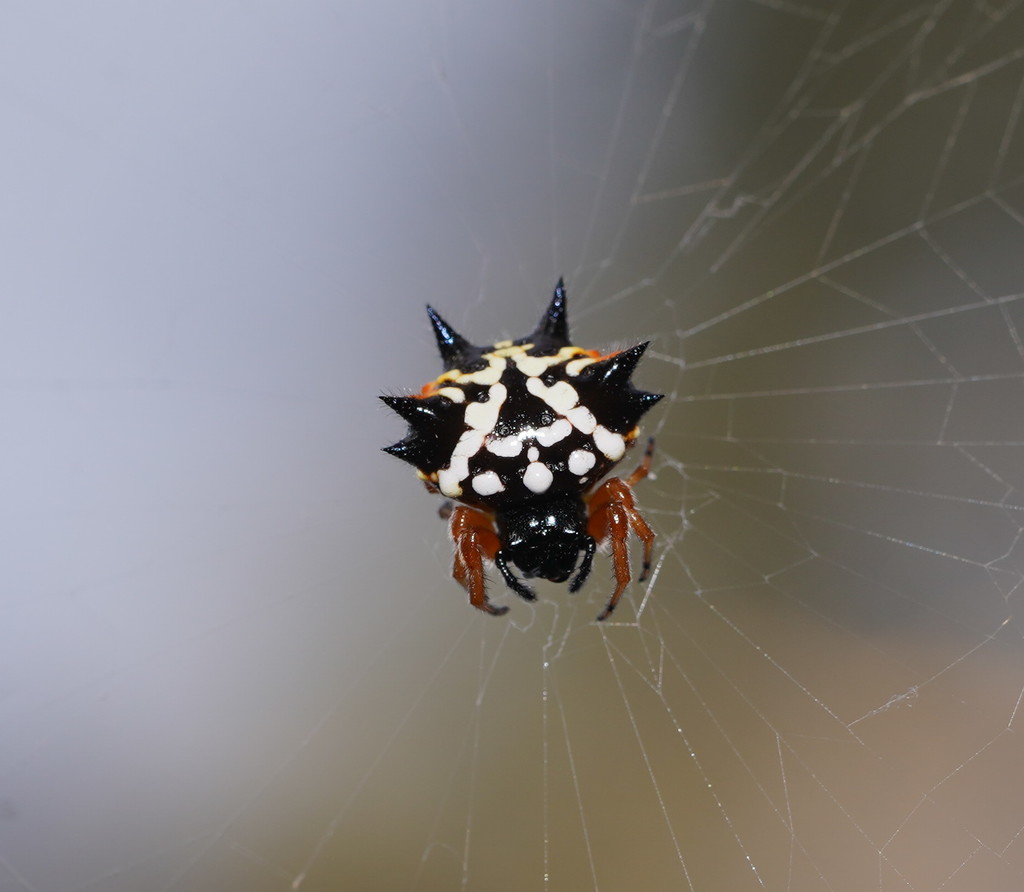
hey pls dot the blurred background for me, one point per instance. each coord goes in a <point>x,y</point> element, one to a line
<point>231,653</point>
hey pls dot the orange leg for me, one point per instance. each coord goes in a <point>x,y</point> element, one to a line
<point>613,513</point>
<point>644,467</point>
<point>475,540</point>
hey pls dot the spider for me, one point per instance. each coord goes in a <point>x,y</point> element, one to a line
<point>520,433</point>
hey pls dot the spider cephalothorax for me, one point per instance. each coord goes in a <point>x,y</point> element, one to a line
<point>520,433</point>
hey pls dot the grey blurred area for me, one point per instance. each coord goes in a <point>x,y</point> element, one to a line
<point>231,653</point>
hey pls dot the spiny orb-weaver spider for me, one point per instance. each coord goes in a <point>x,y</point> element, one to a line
<point>520,433</point>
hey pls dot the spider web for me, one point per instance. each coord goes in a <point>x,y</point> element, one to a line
<point>232,656</point>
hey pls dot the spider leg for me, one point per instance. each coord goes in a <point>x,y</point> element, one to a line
<point>588,560</point>
<point>511,580</point>
<point>444,510</point>
<point>644,467</point>
<point>610,522</point>
<point>643,532</point>
<point>430,487</point>
<point>613,513</point>
<point>475,539</point>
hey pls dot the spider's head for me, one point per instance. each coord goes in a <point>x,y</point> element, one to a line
<point>544,540</point>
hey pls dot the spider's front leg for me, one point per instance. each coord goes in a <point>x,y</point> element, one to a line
<point>475,540</point>
<point>613,513</point>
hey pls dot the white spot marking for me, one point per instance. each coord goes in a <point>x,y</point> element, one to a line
<point>532,366</point>
<point>583,419</point>
<point>537,477</point>
<point>533,454</point>
<point>577,365</point>
<point>490,375</point>
<point>481,418</point>
<point>560,396</point>
<point>507,447</point>
<point>581,461</point>
<point>448,481</point>
<point>612,445</point>
<point>558,430</point>
<point>536,387</point>
<point>455,394</point>
<point>488,483</point>
<point>484,416</point>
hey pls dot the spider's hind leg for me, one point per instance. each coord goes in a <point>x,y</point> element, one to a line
<point>642,469</point>
<point>613,513</point>
<point>475,540</point>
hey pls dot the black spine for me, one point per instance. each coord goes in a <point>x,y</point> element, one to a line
<point>553,329</point>
<point>454,348</point>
